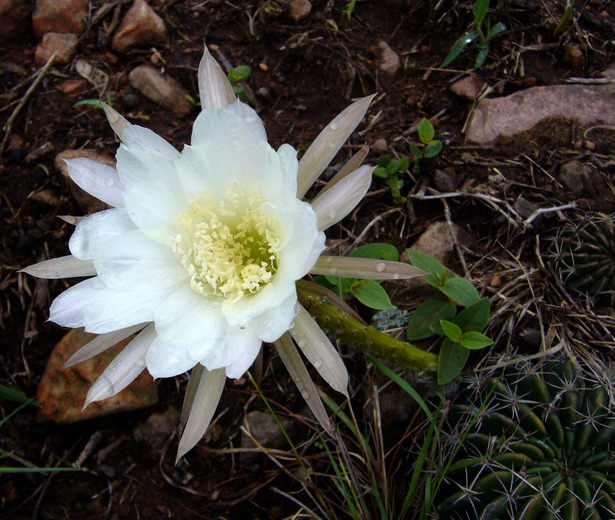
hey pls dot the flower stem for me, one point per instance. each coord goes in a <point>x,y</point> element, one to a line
<point>339,325</point>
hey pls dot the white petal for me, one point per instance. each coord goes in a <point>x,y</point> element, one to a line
<point>235,343</point>
<point>290,166</point>
<point>271,324</point>
<point>99,180</point>
<point>67,309</point>
<point>133,260</point>
<point>337,202</point>
<point>214,87</point>
<point>206,401</point>
<point>365,268</point>
<point>296,368</point>
<point>239,367</point>
<point>235,129</point>
<point>93,232</point>
<point>318,349</point>
<point>328,143</point>
<point>191,388</point>
<point>62,267</point>
<point>139,138</point>
<point>124,368</point>
<point>101,343</point>
<point>163,360</point>
<point>354,163</point>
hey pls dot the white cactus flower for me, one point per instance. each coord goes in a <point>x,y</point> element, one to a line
<point>201,251</point>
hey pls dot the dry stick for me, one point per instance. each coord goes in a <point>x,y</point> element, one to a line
<point>24,99</point>
<point>447,215</point>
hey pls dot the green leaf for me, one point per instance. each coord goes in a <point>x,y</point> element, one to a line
<point>371,294</point>
<point>496,29</point>
<point>475,340</point>
<point>481,57</point>
<point>94,102</point>
<point>459,290</point>
<point>381,172</point>
<point>415,151</point>
<point>238,74</point>
<point>480,11</point>
<point>426,262</point>
<point>377,251</point>
<point>451,361</point>
<point>432,149</point>
<point>393,166</point>
<point>405,164</point>
<point>459,47</point>
<point>453,331</point>
<point>426,131</point>
<point>10,394</point>
<point>474,317</point>
<point>322,280</point>
<point>425,321</point>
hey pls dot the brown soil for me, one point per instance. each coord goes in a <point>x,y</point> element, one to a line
<point>312,70</point>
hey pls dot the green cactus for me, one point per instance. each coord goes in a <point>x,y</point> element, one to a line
<point>532,444</point>
<point>585,256</point>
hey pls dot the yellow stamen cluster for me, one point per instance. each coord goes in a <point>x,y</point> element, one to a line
<point>230,248</point>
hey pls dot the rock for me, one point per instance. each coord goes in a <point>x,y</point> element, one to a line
<point>61,392</point>
<point>160,89</point>
<point>437,240</point>
<point>71,86</point>
<point>64,43</point>
<point>263,93</point>
<point>524,207</point>
<point>299,9</point>
<point>574,58</point>
<point>468,87</point>
<point>87,202</point>
<point>389,60</point>
<point>60,16</point>
<point>265,431</point>
<point>444,181</point>
<point>140,25</point>
<point>586,105</point>
<point>157,429</point>
<point>580,178</point>
<point>380,145</point>
<point>16,16</point>
<point>46,196</point>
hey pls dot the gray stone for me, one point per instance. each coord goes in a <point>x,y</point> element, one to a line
<point>389,60</point>
<point>578,177</point>
<point>444,181</point>
<point>299,9</point>
<point>586,105</point>
<point>64,43</point>
<point>158,427</point>
<point>140,26</point>
<point>524,207</point>
<point>160,89</point>
<point>437,240</point>
<point>380,145</point>
<point>468,87</point>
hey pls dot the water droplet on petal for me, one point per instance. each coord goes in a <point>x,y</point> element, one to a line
<point>249,116</point>
<point>332,271</point>
<point>396,276</point>
<point>305,393</point>
<point>332,214</point>
<point>380,267</point>
<point>140,362</point>
<point>302,343</point>
<point>317,363</point>
<point>329,259</point>
<point>334,125</point>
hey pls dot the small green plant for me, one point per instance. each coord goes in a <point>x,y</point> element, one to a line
<point>565,20</point>
<point>369,292</point>
<point>437,316</point>
<point>236,76</point>
<point>95,102</point>
<point>390,171</point>
<point>584,254</point>
<point>431,147</point>
<point>481,35</point>
<point>532,443</point>
<point>347,14</point>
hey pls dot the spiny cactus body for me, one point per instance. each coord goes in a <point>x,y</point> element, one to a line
<point>539,446</point>
<point>585,256</point>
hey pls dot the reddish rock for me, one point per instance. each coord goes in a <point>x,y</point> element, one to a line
<point>87,202</point>
<point>141,25</point>
<point>61,392</point>
<point>15,16</point>
<point>299,9</point>
<point>468,87</point>
<point>586,105</point>
<point>64,43</point>
<point>71,86</point>
<point>60,16</point>
<point>160,89</point>
<point>574,58</point>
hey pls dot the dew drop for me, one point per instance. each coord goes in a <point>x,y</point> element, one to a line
<point>302,343</point>
<point>140,362</point>
<point>332,214</point>
<point>329,259</point>
<point>380,267</point>
<point>332,271</point>
<point>334,125</point>
<point>396,276</point>
<point>305,393</point>
<point>249,116</point>
<point>109,182</point>
<point>317,363</point>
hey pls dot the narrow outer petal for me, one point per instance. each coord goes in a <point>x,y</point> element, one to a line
<point>124,368</point>
<point>206,399</point>
<point>99,180</point>
<point>333,205</point>
<point>191,388</point>
<point>318,349</point>
<point>101,343</point>
<point>354,163</point>
<point>214,87</point>
<point>328,143</point>
<point>365,268</point>
<point>296,368</point>
<point>62,267</point>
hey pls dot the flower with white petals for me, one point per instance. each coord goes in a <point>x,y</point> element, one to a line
<point>201,250</point>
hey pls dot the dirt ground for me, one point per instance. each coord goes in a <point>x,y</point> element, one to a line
<point>311,70</point>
